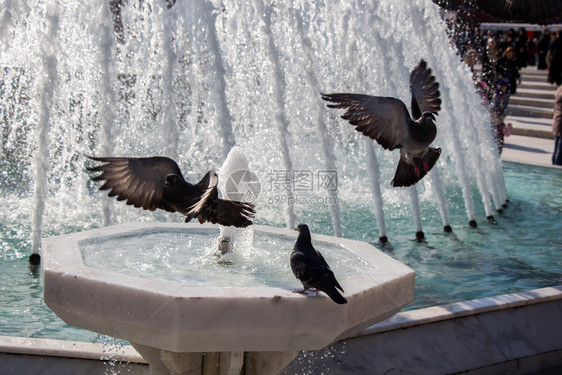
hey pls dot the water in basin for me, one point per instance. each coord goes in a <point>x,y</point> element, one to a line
<point>187,258</point>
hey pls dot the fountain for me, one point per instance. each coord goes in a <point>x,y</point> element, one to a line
<point>194,77</point>
<point>193,80</point>
<point>248,319</point>
<point>95,280</point>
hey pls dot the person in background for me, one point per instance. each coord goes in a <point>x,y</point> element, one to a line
<point>550,47</point>
<point>470,57</point>
<point>532,51</point>
<point>508,78</point>
<point>478,42</point>
<point>521,47</point>
<point>505,40</point>
<point>542,49</point>
<point>555,67</point>
<point>502,129</point>
<point>489,61</point>
<point>557,128</point>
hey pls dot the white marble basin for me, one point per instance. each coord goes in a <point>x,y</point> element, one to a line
<point>181,318</point>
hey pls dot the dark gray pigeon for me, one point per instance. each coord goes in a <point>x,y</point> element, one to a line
<point>311,269</point>
<point>157,182</point>
<point>387,121</point>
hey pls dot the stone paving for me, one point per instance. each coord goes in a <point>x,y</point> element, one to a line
<point>530,113</point>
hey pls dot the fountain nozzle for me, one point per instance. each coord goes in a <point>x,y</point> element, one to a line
<point>224,245</point>
<point>35,259</point>
<point>491,219</point>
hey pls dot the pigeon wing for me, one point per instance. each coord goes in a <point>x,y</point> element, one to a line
<point>425,91</point>
<point>329,272</point>
<point>316,274</point>
<point>298,265</point>
<point>209,196</point>
<point>224,212</point>
<point>139,181</point>
<point>380,118</point>
<point>303,268</point>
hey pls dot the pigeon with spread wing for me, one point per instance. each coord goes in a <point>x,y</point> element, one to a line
<point>157,182</point>
<point>387,121</point>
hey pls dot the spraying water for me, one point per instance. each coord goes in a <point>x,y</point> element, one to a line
<point>236,183</point>
<point>107,108</point>
<point>279,93</point>
<point>416,211</point>
<point>374,171</point>
<point>191,80</point>
<point>46,88</point>
<point>440,195</point>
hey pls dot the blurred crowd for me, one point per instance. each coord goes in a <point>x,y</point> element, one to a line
<point>501,54</point>
<point>495,58</point>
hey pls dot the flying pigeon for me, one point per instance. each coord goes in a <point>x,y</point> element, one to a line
<point>311,269</point>
<point>387,121</point>
<point>157,182</point>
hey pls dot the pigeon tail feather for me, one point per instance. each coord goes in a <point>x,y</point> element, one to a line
<point>335,296</point>
<point>409,174</point>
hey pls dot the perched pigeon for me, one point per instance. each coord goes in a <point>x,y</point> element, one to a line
<point>311,269</point>
<point>387,121</point>
<point>157,182</point>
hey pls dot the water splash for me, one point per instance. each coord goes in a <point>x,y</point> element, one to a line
<point>195,79</point>
<point>224,117</point>
<point>235,186</point>
<point>322,131</point>
<point>437,184</point>
<point>164,31</point>
<point>107,106</point>
<point>374,174</point>
<point>416,211</point>
<point>279,93</point>
<point>46,91</point>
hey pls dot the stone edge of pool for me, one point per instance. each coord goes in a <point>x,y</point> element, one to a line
<point>511,331</point>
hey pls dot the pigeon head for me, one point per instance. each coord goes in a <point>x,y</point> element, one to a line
<point>428,117</point>
<point>303,240</point>
<point>303,229</point>
<point>171,180</point>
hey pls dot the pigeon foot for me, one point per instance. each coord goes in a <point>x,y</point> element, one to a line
<point>312,291</point>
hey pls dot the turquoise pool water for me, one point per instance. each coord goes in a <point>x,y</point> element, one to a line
<point>521,252</point>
